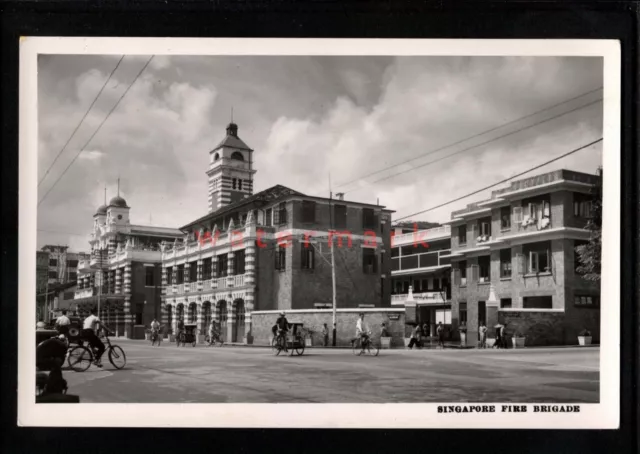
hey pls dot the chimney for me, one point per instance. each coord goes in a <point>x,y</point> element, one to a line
<point>340,195</point>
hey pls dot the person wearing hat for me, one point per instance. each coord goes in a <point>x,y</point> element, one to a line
<point>282,326</point>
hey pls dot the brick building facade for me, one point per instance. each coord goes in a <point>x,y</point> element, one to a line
<point>269,251</point>
<point>514,261</point>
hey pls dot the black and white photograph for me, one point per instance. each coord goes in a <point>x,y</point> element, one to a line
<point>358,223</point>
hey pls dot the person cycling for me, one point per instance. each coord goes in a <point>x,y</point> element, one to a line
<point>62,324</point>
<point>213,332</point>
<point>92,326</point>
<point>282,326</point>
<point>180,327</point>
<point>155,328</point>
<point>362,330</point>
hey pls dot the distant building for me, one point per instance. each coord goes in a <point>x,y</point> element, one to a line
<point>518,248</point>
<point>122,271</point>
<point>56,267</point>
<point>421,264</point>
<point>42,282</point>
<point>269,251</point>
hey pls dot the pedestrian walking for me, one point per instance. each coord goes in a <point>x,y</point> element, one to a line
<point>499,331</point>
<point>415,337</point>
<point>383,330</point>
<point>325,335</point>
<point>482,331</point>
<point>440,333</point>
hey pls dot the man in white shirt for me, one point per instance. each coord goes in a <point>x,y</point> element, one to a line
<point>62,323</point>
<point>89,332</point>
<point>362,330</point>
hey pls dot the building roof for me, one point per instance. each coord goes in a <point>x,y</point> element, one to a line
<point>277,192</point>
<point>118,201</point>
<point>154,230</point>
<point>561,176</point>
<point>263,197</point>
<point>232,140</point>
<point>421,225</point>
<point>102,209</point>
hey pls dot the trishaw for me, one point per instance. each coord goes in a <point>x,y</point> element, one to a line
<point>294,340</point>
<point>188,336</point>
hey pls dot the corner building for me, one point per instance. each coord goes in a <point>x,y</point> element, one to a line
<point>123,270</point>
<point>520,246</point>
<point>270,251</point>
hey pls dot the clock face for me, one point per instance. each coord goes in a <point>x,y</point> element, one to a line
<point>119,216</point>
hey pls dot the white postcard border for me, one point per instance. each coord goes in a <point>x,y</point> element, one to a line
<point>604,415</point>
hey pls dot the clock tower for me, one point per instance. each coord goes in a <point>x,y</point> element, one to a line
<point>230,170</point>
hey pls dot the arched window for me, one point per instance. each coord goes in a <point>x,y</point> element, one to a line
<point>216,157</point>
<point>237,156</point>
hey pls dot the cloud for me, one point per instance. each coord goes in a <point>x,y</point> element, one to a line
<point>307,118</point>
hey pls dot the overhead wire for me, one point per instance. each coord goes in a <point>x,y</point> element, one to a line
<point>81,121</point>
<point>97,130</point>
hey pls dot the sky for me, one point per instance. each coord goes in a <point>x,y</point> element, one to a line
<point>311,121</point>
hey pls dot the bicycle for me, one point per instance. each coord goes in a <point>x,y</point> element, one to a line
<point>359,346</point>
<point>296,345</point>
<point>81,357</point>
<point>211,341</point>
<point>155,336</point>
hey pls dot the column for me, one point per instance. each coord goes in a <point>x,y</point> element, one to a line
<point>187,268</point>
<point>214,271</point>
<point>163,290</point>
<point>118,280</point>
<point>164,315</point>
<point>199,277</point>
<point>231,319</point>
<point>250,281</point>
<point>230,261</point>
<point>128,317</point>
<point>201,329</point>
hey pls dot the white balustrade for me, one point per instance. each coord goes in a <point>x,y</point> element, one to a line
<point>193,287</point>
<point>238,280</point>
<point>424,297</point>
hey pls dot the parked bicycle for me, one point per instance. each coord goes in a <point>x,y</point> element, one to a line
<point>81,357</point>
<point>361,346</point>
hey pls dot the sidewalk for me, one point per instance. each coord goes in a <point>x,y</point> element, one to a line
<point>432,346</point>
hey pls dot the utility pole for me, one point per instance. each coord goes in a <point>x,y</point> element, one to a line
<point>100,282</point>
<point>333,263</point>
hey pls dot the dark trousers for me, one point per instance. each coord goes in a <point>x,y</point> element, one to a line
<point>94,341</point>
<point>326,340</point>
<point>441,339</point>
<point>414,341</point>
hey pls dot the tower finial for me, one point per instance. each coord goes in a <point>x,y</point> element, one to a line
<point>118,186</point>
<point>105,194</point>
<point>231,114</point>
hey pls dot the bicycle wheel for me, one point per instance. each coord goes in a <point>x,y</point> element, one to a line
<point>357,349</point>
<point>207,340</point>
<point>275,346</point>
<point>80,359</point>
<point>300,347</point>
<point>117,357</point>
<point>373,349</point>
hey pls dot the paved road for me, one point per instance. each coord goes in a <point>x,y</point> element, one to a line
<point>169,374</point>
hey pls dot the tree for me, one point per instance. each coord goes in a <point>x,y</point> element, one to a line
<point>590,254</point>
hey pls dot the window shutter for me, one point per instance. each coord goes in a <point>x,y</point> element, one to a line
<point>517,215</point>
<point>456,276</point>
<point>546,210</point>
<point>474,273</point>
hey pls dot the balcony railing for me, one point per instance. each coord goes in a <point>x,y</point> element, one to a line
<point>424,297</point>
<point>423,260</point>
<point>421,235</point>
<point>218,283</point>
